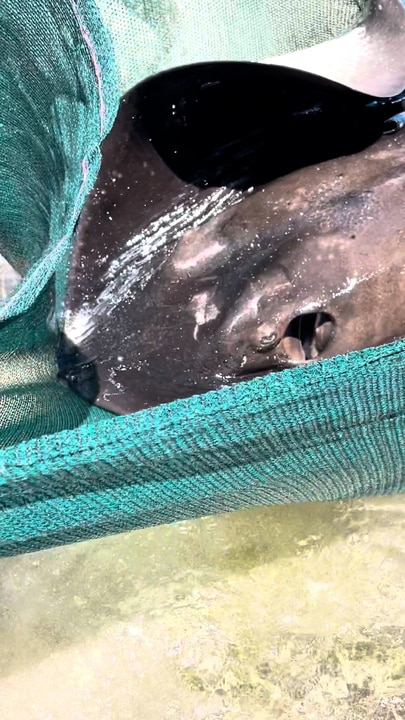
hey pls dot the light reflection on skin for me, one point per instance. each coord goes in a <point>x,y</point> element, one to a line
<point>196,260</point>
<point>204,310</point>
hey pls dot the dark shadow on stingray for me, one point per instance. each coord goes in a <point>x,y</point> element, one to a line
<point>241,124</point>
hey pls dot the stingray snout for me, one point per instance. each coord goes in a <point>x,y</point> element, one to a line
<point>297,341</point>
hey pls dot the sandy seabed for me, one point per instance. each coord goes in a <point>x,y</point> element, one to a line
<point>282,612</point>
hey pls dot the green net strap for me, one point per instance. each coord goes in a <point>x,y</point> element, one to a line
<point>321,432</point>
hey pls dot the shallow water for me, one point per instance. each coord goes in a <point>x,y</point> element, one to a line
<point>283,612</point>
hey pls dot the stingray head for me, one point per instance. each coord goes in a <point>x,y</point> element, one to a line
<point>277,324</point>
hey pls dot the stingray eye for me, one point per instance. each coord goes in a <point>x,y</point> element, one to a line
<point>268,342</point>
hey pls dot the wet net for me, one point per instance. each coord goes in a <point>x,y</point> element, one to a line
<point>70,471</point>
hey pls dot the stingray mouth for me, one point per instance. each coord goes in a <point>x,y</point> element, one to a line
<point>307,336</point>
<point>305,339</point>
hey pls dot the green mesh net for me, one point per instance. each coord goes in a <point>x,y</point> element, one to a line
<point>151,36</point>
<point>68,470</point>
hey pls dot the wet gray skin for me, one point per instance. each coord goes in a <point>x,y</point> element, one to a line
<point>321,262</point>
<point>308,267</point>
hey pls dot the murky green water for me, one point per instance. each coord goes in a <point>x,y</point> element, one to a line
<point>285,612</point>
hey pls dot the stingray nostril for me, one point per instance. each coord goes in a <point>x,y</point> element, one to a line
<point>268,342</point>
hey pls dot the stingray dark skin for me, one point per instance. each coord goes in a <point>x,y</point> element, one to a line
<point>321,271</point>
<point>326,265</point>
<point>185,279</point>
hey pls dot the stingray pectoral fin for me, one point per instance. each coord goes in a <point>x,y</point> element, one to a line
<point>369,58</point>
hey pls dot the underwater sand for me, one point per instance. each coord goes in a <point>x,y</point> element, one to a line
<point>285,612</point>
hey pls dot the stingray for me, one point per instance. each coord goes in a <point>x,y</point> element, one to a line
<point>327,267</point>
<point>213,177</point>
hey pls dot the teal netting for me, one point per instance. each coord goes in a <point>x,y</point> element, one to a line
<point>153,35</point>
<point>68,471</point>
